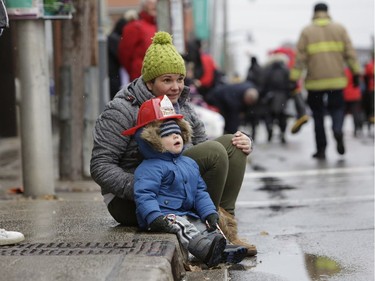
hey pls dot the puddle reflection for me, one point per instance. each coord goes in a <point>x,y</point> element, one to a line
<point>321,267</point>
<point>291,264</point>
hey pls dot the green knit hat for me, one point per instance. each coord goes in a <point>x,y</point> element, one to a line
<point>162,58</point>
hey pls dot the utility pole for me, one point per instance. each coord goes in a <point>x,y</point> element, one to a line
<point>103,53</point>
<point>79,57</point>
<point>163,16</point>
<point>36,128</point>
<point>225,37</point>
<point>170,18</point>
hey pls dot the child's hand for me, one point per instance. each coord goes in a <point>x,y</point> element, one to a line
<point>211,221</point>
<point>160,224</point>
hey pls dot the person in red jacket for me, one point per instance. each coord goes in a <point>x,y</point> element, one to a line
<point>206,74</point>
<point>209,67</point>
<point>368,98</point>
<point>352,98</point>
<point>136,38</point>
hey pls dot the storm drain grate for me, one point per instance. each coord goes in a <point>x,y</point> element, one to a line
<point>155,248</point>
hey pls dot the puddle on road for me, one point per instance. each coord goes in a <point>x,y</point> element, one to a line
<point>321,267</point>
<point>272,184</point>
<point>288,262</point>
<point>276,189</point>
<point>291,264</point>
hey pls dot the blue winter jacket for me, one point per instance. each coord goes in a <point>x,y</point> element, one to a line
<point>166,183</point>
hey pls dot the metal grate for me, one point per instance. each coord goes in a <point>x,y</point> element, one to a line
<point>155,248</point>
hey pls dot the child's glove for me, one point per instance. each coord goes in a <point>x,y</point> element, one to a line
<point>211,221</point>
<point>162,225</point>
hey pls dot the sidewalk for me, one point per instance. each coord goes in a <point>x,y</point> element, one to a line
<point>73,237</point>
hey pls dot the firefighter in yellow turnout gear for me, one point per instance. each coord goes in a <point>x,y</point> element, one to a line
<point>323,50</point>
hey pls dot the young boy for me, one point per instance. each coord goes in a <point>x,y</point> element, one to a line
<point>169,193</point>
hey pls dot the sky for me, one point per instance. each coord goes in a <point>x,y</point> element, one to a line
<point>257,26</point>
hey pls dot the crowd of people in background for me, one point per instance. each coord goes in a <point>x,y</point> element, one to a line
<point>268,94</point>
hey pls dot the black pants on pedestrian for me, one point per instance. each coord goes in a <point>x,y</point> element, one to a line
<point>354,108</point>
<point>321,102</point>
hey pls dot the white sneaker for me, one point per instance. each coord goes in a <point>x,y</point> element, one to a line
<point>10,237</point>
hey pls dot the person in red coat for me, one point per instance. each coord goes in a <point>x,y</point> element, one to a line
<point>209,67</point>
<point>352,98</point>
<point>136,38</point>
<point>205,73</point>
<point>368,98</point>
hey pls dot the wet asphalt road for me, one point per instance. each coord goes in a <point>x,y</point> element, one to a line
<point>310,220</point>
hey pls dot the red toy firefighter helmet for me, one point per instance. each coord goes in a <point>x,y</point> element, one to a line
<point>159,108</point>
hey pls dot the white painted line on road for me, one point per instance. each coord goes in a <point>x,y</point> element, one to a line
<point>316,172</point>
<point>304,202</point>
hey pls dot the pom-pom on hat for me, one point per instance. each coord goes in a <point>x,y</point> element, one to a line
<point>159,108</point>
<point>162,58</point>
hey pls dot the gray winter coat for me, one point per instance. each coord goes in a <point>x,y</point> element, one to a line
<point>114,156</point>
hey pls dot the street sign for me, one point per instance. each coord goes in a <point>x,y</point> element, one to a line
<point>40,9</point>
<point>23,9</point>
<point>201,19</point>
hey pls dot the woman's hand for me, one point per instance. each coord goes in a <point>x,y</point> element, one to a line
<point>243,142</point>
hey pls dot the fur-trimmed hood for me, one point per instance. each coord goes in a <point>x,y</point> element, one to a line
<point>149,139</point>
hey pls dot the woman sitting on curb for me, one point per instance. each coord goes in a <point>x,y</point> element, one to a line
<point>221,162</point>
